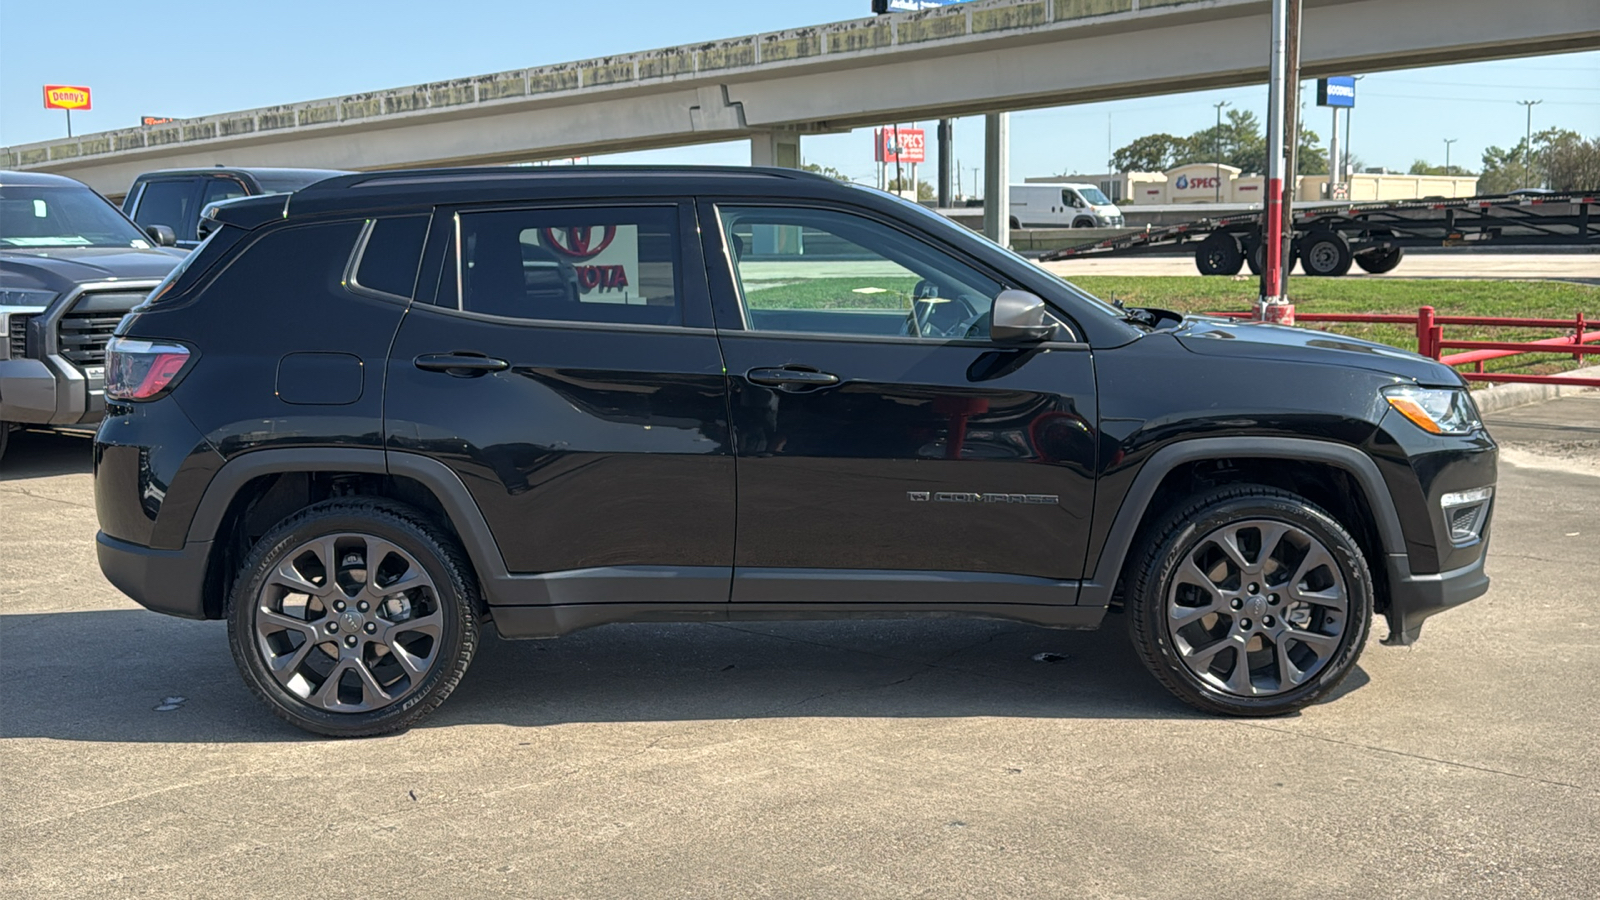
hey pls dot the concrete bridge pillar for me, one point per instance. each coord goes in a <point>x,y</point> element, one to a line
<point>997,178</point>
<point>775,148</point>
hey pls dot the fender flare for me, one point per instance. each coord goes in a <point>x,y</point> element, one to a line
<point>445,485</point>
<point>1119,541</point>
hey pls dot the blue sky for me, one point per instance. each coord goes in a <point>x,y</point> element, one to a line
<point>192,59</point>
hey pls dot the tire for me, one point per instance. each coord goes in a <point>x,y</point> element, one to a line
<point>1083,223</point>
<point>1187,626</point>
<point>1016,224</point>
<point>1257,258</point>
<point>1219,254</point>
<point>432,624</point>
<point>1382,261</point>
<point>1326,255</point>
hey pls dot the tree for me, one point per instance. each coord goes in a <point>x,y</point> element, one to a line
<point>1570,161</point>
<point>1151,153</point>
<point>1311,158</point>
<point>1423,167</point>
<point>829,171</point>
<point>1504,170</point>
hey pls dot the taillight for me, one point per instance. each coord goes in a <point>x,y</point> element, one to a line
<point>141,370</point>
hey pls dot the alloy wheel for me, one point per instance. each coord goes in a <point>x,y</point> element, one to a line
<point>1257,608</point>
<point>348,623</point>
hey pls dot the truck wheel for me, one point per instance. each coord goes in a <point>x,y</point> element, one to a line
<point>1382,261</point>
<point>1258,257</point>
<point>1219,254</point>
<point>353,617</point>
<point>1083,223</point>
<point>1016,224</point>
<point>1249,601</point>
<point>1326,254</point>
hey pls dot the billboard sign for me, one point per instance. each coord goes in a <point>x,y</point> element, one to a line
<point>66,96</point>
<point>901,145</point>
<point>888,6</point>
<point>1339,91</point>
<point>147,121</point>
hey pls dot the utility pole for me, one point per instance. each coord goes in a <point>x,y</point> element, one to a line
<point>946,152</point>
<point>1216,147</point>
<point>1527,144</point>
<point>1447,143</point>
<point>1270,307</point>
<point>1348,115</point>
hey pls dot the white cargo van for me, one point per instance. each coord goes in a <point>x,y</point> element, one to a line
<point>1063,206</point>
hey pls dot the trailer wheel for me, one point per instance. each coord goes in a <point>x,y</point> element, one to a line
<point>1219,254</point>
<point>1258,258</point>
<point>1326,254</point>
<point>1382,261</point>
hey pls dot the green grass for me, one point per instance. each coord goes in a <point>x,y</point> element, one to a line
<point>1515,299</point>
<point>833,293</point>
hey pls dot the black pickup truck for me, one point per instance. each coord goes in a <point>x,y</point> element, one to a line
<point>71,266</point>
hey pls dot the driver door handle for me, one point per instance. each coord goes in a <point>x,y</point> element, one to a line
<point>791,379</point>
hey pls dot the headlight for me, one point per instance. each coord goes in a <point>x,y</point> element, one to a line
<point>1435,410</point>
<point>25,297</point>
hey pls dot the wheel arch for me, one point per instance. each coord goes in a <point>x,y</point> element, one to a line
<point>253,492</point>
<point>1337,477</point>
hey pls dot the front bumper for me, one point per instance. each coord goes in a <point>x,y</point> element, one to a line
<point>1414,598</point>
<point>50,392</point>
<point>165,581</point>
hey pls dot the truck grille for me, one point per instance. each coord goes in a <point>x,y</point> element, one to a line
<point>18,336</point>
<point>87,326</point>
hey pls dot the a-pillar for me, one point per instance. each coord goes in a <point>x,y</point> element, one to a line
<point>775,148</point>
<point>997,178</point>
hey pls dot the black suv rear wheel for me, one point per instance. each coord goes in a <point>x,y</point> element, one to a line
<point>353,617</point>
<point>1250,601</point>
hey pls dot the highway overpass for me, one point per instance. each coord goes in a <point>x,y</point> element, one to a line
<point>983,57</point>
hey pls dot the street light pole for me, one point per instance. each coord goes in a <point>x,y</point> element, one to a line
<point>1447,143</point>
<point>1217,147</point>
<point>1527,143</point>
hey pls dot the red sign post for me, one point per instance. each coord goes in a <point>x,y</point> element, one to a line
<point>68,97</point>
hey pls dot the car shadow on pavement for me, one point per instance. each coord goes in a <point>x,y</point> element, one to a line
<point>131,676</point>
<point>42,454</point>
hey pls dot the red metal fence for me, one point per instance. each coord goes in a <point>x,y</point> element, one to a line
<point>1577,340</point>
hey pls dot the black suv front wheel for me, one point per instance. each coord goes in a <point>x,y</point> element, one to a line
<point>353,617</point>
<point>1250,601</point>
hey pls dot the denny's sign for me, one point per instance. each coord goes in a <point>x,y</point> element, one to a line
<point>64,96</point>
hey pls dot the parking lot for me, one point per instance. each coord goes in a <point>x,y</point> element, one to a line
<point>872,759</point>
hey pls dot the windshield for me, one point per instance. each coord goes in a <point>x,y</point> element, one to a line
<point>1094,196</point>
<point>51,216</point>
<point>960,234</point>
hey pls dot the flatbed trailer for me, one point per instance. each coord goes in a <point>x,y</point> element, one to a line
<point>1374,236</point>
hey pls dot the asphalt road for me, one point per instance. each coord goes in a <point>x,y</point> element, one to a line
<point>879,759</point>
<point>1580,267</point>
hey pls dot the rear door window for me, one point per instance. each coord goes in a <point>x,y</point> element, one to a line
<point>602,264</point>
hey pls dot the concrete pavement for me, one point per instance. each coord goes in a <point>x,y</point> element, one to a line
<point>874,759</point>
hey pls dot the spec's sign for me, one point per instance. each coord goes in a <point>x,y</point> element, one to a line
<point>66,96</point>
<point>147,121</point>
<point>1339,90</point>
<point>903,145</point>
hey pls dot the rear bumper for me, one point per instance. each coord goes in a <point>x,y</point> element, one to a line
<point>165,581</point>
<point>1414,598</point>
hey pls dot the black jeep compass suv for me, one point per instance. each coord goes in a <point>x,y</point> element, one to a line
<point>363,422</point>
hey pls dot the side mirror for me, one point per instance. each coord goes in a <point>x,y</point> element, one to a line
<point>1020,317</point>
<point>162,235</point>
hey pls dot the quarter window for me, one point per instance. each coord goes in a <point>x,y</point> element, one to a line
<point>391,255</point>
<point>830,272</point>
<point>581,265</point>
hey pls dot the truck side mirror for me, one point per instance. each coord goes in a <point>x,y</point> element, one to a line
<point>162,235</point>
<point>1020,317</point>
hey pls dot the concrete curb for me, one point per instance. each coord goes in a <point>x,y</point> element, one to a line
<point>1507,396</point>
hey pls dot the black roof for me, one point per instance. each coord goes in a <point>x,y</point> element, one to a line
<point>256,171</point>
<point>418,188</point>
<point>39,179</point>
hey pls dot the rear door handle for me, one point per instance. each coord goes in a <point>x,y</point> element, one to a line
<point>791,379</point>
<point>461,365</point>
